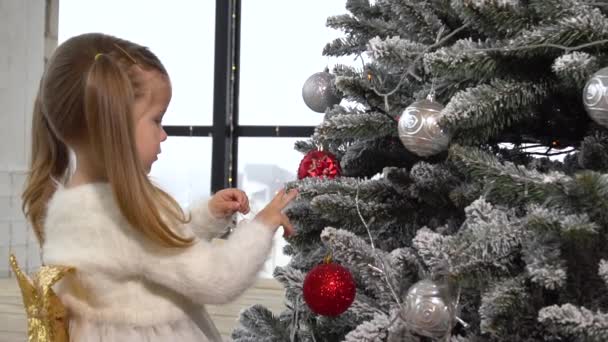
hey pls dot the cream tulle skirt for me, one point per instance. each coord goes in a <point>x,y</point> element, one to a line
<point>89,331</point>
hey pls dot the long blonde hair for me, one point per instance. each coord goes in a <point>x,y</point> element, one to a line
<point>86,95</point>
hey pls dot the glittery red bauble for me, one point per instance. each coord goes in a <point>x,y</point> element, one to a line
<point>319,164</point>
<point>329,289</point>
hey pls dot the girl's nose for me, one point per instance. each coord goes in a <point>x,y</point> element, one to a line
<point>163,135</point>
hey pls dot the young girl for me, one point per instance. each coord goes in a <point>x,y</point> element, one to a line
<point>144,268</point>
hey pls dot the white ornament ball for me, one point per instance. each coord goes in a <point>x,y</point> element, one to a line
<point>427,313</point>
<point>595,97</point>
<point>419,130</point>
<point>319,92</point>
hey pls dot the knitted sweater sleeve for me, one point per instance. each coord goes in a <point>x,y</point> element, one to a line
<point>203,224</point>
<point>210,273</point>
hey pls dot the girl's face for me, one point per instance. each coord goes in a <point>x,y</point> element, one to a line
<point>153,94</point>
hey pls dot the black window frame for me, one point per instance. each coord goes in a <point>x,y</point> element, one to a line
<point>226,131</point>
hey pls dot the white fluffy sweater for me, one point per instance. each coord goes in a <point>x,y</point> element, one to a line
<point>127,288</point>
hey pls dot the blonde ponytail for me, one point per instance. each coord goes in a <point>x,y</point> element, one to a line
<point>108,100</point>
<point>49,161</point>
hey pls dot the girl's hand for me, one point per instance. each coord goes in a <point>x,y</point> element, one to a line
<point>272,215</point>
<point>227,202</point>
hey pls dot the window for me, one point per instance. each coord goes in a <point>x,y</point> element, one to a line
<point>184,168</point>
<point>265,165</point>
<point>277,55</point>
<point>281,46</point>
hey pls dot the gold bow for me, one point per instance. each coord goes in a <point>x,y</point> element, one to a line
<point>46,315</point>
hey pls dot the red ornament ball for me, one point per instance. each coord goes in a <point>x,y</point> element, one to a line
<point>329,289</point>
<point>319,164</point>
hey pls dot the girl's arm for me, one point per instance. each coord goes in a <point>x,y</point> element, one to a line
<point>203,224</point>
<point>209,273</point>
<point>218,273</point>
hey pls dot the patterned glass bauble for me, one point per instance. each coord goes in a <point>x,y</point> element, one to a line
<point>427,311</point>
<point>419,130</point>
<point>595,97</point>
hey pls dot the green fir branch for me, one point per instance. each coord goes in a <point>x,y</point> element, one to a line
<point>363,126</point>
<point>551,10</point>
<point>360,8</point>
<point>490,108</point>
<point>346,70</point>
<point>458,61</point>
<point>290,278</point>
<point>374,330</point>
<point>570,321</point>
<point>365,307</point>
<point>502,307</point>
<point>588,193</point>
<point>554,220</point>
<point>432,248</point>
<point>544,265</point>
<point>304,146</point>
<point>418,20</point>
<point>344,47</point>
<point>363,261</point>
<point>506,182</point>
<point>603,270</point>
<point>394,50</point>
<point>494,18</point>
<point>359,30</point>
<point>486,243</point>
<point>359,90</point>
<point>593,152</point>
<point>259,324</point>
<point>310,187</point>
<point>582,30</point>
<point>575,68</point>
<point>349,24</point>
<point>374,189</point>
<point>341,209</point>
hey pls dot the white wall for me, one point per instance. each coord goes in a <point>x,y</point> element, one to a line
<point>28,34</point>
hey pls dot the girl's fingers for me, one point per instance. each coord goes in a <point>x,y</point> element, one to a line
<point>241,198</point>
<point>288,229</point>
<point>235,206</point>
<point>246,209</point>
<point>279,195</point>
<point>243,204</point>
<point>289,196</point>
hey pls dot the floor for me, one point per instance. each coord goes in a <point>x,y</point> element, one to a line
<point>267,292</point>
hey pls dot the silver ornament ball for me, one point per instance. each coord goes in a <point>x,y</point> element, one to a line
<point>595,97</point>
<point>319,92</point>
<point>419,130</point>
<point>427,312</point>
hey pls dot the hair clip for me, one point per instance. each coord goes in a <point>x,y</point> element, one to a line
<point>126,53</point>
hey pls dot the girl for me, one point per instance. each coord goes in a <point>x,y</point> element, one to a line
<point>144,269</point>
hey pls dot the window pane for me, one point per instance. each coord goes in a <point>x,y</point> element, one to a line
<point>279,54</point>
<point>180,33</point>
<point>184,168</point>
<point>261,172</point>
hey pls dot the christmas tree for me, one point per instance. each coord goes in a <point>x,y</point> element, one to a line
<point>490,225</point>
